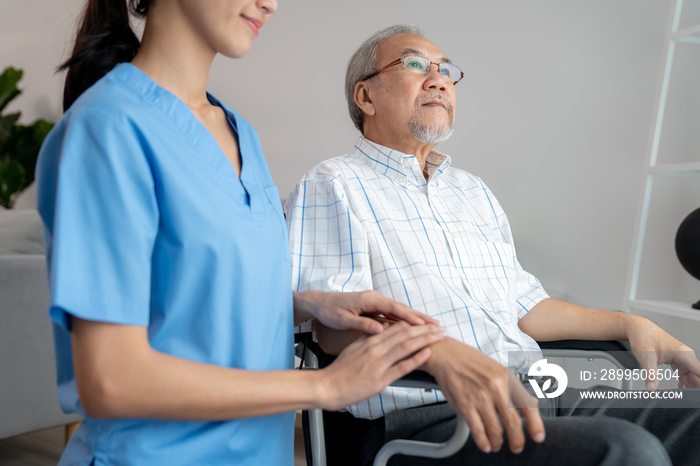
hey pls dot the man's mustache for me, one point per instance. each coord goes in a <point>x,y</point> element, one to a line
<point>433,96</point>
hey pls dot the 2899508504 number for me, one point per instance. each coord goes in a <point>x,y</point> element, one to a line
<point>638,374</point>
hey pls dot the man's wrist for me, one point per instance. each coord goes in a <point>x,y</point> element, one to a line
<point>633,323</point>
<point>303,305</point>
<point>439,354</point>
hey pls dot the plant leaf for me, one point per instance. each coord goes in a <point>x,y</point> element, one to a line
<point>23,144</point>
<point>12,180</point>
<point>6,124</point>
<point>8,85</point>
<point>19,144</point>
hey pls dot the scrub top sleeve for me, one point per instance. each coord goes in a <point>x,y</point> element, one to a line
<point>104,221</point>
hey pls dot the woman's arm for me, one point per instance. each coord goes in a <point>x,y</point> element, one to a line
<point>119,374</point>
<point>348,310</point>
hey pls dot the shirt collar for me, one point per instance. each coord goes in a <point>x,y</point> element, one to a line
<point>400,167</point>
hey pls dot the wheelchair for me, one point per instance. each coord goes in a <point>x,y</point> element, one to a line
<point>311,356</point>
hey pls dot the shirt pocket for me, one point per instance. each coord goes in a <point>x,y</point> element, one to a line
<point>492,272</point>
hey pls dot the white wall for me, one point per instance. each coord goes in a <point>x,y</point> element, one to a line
<point>554,112</point>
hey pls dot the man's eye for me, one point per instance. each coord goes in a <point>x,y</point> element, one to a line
<point>414,65</point>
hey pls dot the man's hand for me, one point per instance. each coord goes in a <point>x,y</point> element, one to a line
<point>653,346</point>
<point>557,320</point>
<point>485,393</point>
<point>346,311</point>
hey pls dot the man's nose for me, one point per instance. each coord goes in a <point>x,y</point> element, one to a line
<point>435,80</point>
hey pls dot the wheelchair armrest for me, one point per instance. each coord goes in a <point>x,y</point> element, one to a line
<point>620,350</point>
<point>417,379</point>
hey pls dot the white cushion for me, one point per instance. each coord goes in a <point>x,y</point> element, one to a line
<point>21,232</point>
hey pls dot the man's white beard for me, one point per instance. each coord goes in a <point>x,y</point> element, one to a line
<point>430,134</point>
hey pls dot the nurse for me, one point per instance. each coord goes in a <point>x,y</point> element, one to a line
<point>167,255</point>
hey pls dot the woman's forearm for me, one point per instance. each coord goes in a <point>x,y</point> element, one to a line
<point>120,375</point>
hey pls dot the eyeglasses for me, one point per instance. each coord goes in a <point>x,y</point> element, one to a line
<point>421,65</point>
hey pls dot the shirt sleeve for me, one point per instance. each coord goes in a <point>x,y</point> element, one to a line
<point>328,246</point>
<point>97,199</point>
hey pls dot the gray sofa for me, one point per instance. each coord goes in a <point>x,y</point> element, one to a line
<point>28,397</point>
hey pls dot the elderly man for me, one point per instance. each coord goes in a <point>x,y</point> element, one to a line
<point>393,215</point>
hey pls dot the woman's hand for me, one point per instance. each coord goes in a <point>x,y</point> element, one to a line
<point>371,363</point>
<point>346,311</point>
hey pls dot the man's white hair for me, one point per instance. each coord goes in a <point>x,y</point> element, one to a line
<point>363,63</point>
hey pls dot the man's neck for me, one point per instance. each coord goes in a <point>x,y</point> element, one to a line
<point>410,146</point>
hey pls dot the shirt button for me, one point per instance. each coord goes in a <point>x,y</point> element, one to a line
<point>402,179</point>
<point>407,162</point>
<point>454,235</point>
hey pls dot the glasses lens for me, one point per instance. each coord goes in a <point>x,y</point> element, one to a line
<point>450,71</point>
<point>420,65</point>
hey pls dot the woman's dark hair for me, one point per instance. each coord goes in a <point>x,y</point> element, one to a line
<point>104,39</point>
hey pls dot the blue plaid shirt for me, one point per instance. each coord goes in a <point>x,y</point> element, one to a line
<point>370,220</point>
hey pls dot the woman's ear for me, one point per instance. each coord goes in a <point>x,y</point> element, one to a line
<point>363,99</point>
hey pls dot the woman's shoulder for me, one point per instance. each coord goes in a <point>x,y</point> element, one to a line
<point>106,118</point>
<point>119,93</point>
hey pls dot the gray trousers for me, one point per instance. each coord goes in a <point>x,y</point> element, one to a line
<point>579,433</point>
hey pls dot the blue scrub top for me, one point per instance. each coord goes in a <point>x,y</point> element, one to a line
<point>147,223</point>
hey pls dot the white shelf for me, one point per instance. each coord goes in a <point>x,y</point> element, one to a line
<point>674,310</point>
<point>688,169</point>
<point>669,308</point>
<point>689,34</point>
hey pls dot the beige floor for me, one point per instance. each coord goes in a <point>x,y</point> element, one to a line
<point>40,448</point>
<point>43,448</point>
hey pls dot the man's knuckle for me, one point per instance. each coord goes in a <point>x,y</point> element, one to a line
<point>495,430</point>
<point>512,421</point>
<point>482,398</point>
<point>494,385</point>
<point>478,433</point>
<point>530,402</point>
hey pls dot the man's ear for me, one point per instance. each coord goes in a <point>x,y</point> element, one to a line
<point>363,99</point>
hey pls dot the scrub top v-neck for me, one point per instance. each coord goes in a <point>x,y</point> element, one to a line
<point>148,224</point>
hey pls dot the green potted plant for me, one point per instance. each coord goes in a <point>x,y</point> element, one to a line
<point>19,144</point>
